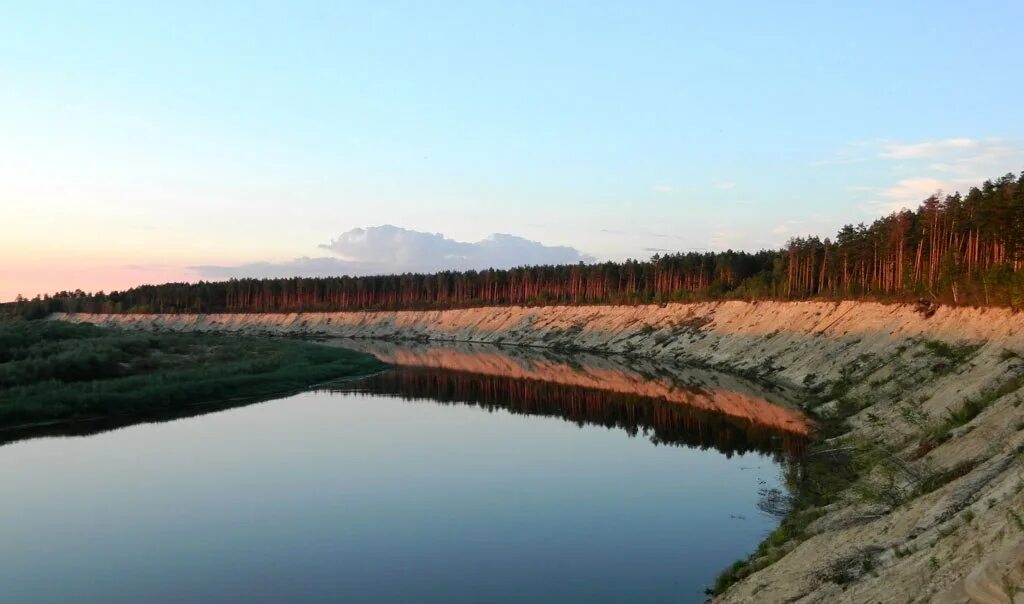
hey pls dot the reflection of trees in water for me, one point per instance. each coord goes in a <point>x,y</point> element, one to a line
<point>664,422</point>
<point>91,426</point>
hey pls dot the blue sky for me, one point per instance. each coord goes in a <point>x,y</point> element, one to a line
<point>139,139</point>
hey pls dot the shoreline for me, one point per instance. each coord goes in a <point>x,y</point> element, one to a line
<point>922,418</point>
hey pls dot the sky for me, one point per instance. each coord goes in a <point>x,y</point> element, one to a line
<point>150,142</point>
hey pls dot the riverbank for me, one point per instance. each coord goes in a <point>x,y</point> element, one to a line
<point>921,412</point>
<point>53,372</point>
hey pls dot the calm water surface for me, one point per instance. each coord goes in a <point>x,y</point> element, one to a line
<point>481,479</point>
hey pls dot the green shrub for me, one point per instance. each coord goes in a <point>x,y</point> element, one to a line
<point>52,370</point>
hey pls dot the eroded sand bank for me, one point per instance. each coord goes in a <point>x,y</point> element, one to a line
<point>902,373</point>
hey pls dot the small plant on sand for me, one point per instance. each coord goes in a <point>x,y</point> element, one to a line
<point>938,479</point>
<point>957,353</point>
<point>914,415</point>
<point>852,566</point>
<point>728,577</point>
<point>971,408</point>
<point>950,355</point>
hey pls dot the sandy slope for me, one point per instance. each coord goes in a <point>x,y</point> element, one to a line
<point>961,542</point>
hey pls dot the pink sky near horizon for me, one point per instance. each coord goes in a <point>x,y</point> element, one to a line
<point>32,277</point>
<point>131,151</point>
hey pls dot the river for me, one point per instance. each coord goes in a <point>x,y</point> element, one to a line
<point>464,474</point>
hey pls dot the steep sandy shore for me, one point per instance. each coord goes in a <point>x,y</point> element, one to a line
<point>937,512</point>
<point>799,339</point>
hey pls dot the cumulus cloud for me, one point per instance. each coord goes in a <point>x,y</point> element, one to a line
<point>404,248</point>
<point>389,249</point>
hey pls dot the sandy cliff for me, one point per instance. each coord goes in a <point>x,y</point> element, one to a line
<point>935,423</point>
<point>794,336</point>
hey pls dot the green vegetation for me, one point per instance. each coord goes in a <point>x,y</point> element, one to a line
<point>954,353</point>
<point>737,570</point>
<point>838,466</point>
<point>1008,354</point>
<point>938,479</point>
<point>956,249</point>
<point>52,370</point>
<point>647,329</point>
<point>816,480</point>
<point>852,566</point>
<point>971,408</point>
<point>1017,520</point>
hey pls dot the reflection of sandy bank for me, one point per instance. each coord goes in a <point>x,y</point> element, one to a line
<point>699,389</point>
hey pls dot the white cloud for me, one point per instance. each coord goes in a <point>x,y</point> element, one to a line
<point>663,189</point>
<point>986,162</point>
<point>948,165</point>
<point>906,193</point>
<point>956,163</point>
<point>945,154</point>
<point>727,184</point>
<point>403,248</point>
<point>914,189</point>
<point>929,149</point>
<point>390,250</point>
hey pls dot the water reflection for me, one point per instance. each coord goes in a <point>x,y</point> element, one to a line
<point>362,497</point>
<point>670,404</point>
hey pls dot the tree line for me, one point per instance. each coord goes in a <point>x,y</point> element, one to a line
<point>953,249</point>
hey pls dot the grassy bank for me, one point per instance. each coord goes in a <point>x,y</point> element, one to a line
<point>53,370</point>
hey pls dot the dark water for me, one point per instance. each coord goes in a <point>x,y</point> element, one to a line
<point>490,477</point>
